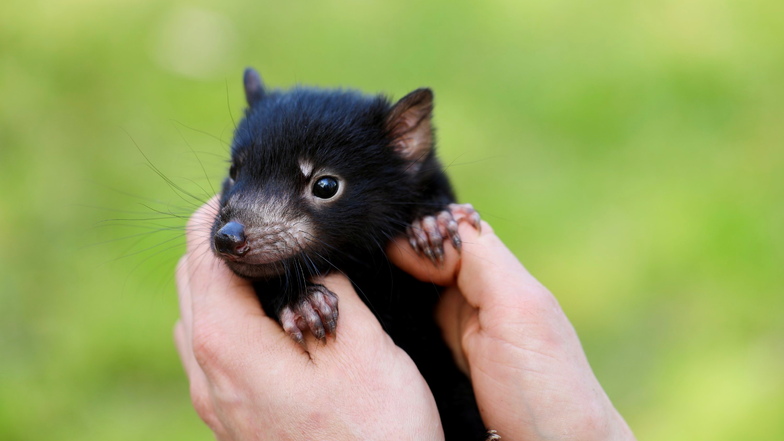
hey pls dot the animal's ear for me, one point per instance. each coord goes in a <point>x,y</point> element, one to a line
<point>408,125</point>
<point>254,88</point>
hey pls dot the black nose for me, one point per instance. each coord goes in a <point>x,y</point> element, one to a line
<point>230,239</point>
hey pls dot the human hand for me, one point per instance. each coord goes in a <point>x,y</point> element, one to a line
<point>530,375</point>
<point>251,381</point>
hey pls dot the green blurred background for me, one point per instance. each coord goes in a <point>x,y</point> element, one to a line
<point>630,153</point>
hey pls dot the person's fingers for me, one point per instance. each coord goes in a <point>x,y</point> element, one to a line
<point>199,386</point>
<point>451,313</point>
<point>183,341</point>
<point>402,255</point>
<point>219,291</point>
<point>489,271</point>
<point>183,344</point>
<point>485,265</point>
<point>184,297</point>
<point>226,316</point>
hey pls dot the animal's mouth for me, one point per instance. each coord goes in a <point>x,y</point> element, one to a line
<point>247,258</point>
<point>230,257</point>
<point>255,252</point>
<point>263,242</point>
<point>255,271</point>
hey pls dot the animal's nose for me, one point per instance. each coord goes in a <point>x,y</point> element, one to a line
<point>230,240</point>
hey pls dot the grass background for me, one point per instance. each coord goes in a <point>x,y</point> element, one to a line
<point>630,153</point>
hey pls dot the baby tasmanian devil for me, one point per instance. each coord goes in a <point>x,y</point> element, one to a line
<point>321,181</point>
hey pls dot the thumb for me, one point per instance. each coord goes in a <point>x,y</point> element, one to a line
<point>402,255</point>
<point>485,267</point>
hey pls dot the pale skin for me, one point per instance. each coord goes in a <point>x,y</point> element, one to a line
<point>251,381</point>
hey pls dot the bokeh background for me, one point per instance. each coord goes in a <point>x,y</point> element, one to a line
<point>630,153</point>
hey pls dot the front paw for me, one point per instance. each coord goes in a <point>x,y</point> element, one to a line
<point>427,235</point>
<point>315,311</point>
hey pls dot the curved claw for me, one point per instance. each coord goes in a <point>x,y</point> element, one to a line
<point>289,321</point>
<point>492,435</point>
<point>326,303</point>
<point>466,211</point>
<point>427,234</point>
<point>316,311</point>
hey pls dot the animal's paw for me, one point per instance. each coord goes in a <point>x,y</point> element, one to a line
<point>427,235</point>
<point>316,311</point>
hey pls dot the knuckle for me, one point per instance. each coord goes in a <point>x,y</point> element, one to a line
<point>592,420</point>
<point>201,401</point>
<point>541,299</point>
<point>537,305</point>
<point>208,345</point>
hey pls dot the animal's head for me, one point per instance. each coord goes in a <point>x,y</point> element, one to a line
<point>317,174</point>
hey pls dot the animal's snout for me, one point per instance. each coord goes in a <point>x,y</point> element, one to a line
<point>230,240</point>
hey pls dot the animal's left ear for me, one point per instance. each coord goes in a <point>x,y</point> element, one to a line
<point>408,125</point>
<point>254,88</point>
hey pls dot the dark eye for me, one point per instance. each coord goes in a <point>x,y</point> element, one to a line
<point>233,171</point>
<point>325,187</point>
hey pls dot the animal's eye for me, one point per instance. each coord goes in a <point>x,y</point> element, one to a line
<point>325,187</point>
<point>233,171</point>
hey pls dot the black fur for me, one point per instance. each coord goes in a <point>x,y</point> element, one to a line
<point>349,134</point>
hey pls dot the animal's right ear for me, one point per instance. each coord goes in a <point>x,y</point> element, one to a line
<point>409,128</point>
<point>254,88</point>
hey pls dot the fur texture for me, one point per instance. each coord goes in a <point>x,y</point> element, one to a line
<point>382,158</point>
